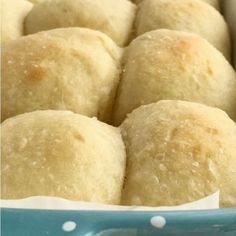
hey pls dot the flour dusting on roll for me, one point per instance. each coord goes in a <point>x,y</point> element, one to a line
<point>167,64</point>
<point>112,17</point>
<point>179,152</point>
<point>61,154</point>
<point>192,16</point>
<point>73,69</point>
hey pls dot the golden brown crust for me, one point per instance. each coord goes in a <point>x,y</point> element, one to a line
<point>114,18</point>
<point>166,64</point>
<point>62,154</point>
<point>66,69</point>
<point>178,152</point>
<point>192,16</point>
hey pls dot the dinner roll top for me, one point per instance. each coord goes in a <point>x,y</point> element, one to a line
<point>62,154</point>
<point>36,1</point>
<point>63,69</point>
<point>13,13</point>
<point>214,3</point>
<point>114,18</point>
<point>167,64</point>
<point>192,16</point>
<point>178,152</point>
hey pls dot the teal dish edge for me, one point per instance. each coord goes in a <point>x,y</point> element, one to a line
<point>32,222</point>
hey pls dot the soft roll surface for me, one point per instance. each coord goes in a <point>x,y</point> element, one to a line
<point>63,69</point>
<point>61,154</point>
<point>178,152</point>
<point>167,64</point>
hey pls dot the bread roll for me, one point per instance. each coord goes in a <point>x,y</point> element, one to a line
<point>13,15</point>
<point>36,1</point>
<point>192,16</point>
<point>179,152</point>
<point>229,8</point>
<point>166,64</point>
<point>112,17</point>
<point>214,3</point>
<point>62,154</point>
<point>63,69</point>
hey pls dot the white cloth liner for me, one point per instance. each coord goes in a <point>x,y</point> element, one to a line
<point>55,203</point>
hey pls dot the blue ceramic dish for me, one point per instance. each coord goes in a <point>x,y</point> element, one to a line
<point>22,222</point>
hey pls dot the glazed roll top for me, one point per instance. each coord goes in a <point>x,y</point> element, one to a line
<point>166,64</point>
<point>63,69</point>
<point>112,17</point>
<point>178,152</point>
<point>192,16</point>
<point>62,154</point>
<point>13,15</point>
